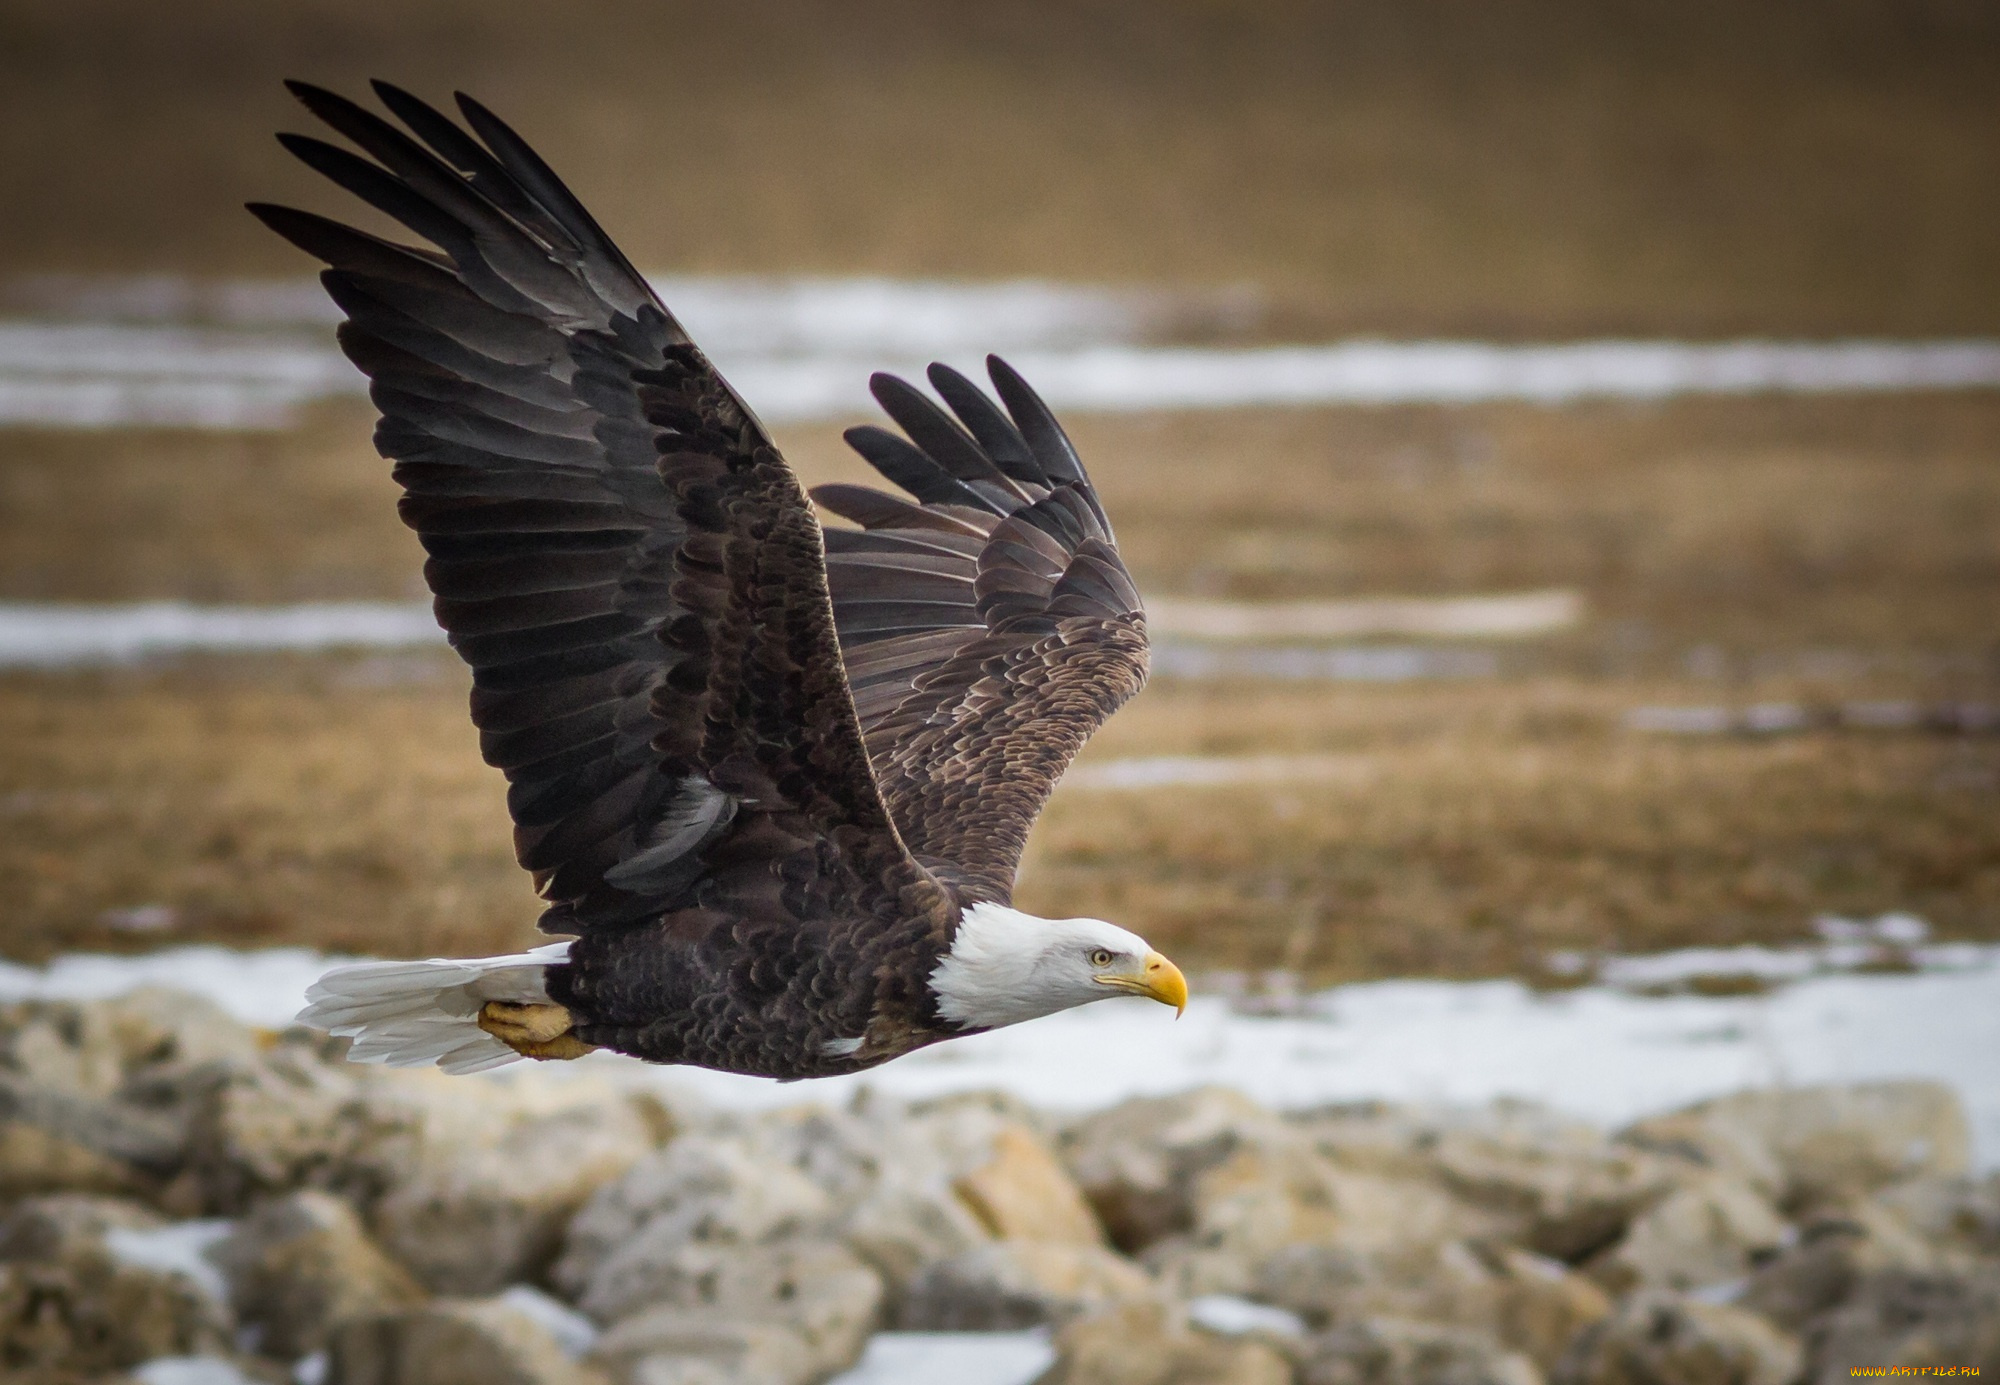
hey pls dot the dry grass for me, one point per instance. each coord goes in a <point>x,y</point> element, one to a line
<point>1820,549</point>
<point>1468,831</point>
<point>1529,167</point>
<point>263,802</point>
<point>1761,527</point>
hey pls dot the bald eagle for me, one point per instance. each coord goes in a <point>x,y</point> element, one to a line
<point>775,780</point>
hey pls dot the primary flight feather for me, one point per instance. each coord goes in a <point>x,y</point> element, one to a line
<point>776,780</point>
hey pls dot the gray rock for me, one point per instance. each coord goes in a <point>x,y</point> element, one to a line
<point>782,1313</point>
<point>1831,1256</point>
<point>284,1120</point>
<point>302,1265</point>
<point>1151,1343</point>
<point>670,1346</point>
<point>1543,1181</point>
<point>1827,1144</point>
<point>77,1109</point>
<point>700,1188</point>
<point>1953,1214</point>
<point>1659,1338</point>
<point>1710,1232</point>
<point>1389,1351</point>
<point>816,1289</point>
<point>1267,1197</point>
<point>1013,1284</point>
<point>892,1175</point>
<point>70,1300</point>
<point>1899,1318</point>
<point>478,1199</point>
<point>900,1227</point>
<point>451,1342</point>
<point>1137,1162</point>
<point>1524,1302</point>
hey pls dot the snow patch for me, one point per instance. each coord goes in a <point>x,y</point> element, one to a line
<point>181,1249</point>
<point>962,1358</point>
<point>1599,1052</point>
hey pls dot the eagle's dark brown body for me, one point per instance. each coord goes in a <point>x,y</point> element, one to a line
<point>755,767</point>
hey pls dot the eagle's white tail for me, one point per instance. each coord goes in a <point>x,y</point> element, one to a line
<point>408,1014</point>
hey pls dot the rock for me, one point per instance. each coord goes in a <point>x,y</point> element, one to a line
<point>1535,1305</point>
<point>1828,1144</point>
<point>156,1025</point>
<point>1269,1196</point>
<point>35,1159</point>
<point>741,1301</point>
<point>302,1265</point>
<point>1660,1338</point>
<point>1525,1302</point>
<point>1013,1284</point>
<point>816,1289</point>
<point>889,1176</point>
<point>1831,1256</point>
<point>72,1297</point>
<point>1541,1180</point>
<point>700,1188</point>
<point>1150,1344</point>
<point>479,1198</point>
<point>1953,1214</point>
<point>1710,1232</point>
<point>65,1224</point>
<point>900,1227</point>
<point>671,1347</point>
<point>1022,1193</point>
<point>1897,1318</point>
<point>282,1121</point>
<point>1388,1351</point>
<point>452,1342</point>
<point>1137,1162</point>
<point>77,1107</point>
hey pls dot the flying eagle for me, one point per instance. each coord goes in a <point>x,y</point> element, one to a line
<point>774,779</point>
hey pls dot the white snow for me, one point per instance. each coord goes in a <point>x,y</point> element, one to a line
<point>155,350</point>
<point>1512,615</point>
<point>61,634</point>
<point>181,1248</point>
<point>192,1370</point>
<point>1600,1052</point>
<point>53,635</point>
<point>1364,663</point>
<point>573,1332</point>
<point>1232,1317</point>
<point>960,1358</point>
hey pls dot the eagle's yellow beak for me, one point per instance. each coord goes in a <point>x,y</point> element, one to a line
<point>1158,979</point>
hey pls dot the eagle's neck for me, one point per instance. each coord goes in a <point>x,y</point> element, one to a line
<point>988,978</point>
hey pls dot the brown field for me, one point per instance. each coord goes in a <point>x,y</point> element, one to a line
<point>1730,551</point>
<point>1463,830</point>
<point>1520,167</point>
<point>1527,169</point>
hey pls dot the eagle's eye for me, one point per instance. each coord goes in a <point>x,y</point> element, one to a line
<point>1100,957</point>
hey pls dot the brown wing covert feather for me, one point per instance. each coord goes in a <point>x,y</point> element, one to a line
<point>988,623</point>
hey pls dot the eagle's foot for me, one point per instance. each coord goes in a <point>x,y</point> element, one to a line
<point>533,1031</point>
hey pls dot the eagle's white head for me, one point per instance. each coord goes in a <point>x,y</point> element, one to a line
<point>1006,966</point>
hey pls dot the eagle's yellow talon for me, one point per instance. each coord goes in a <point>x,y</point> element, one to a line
<point>533,1031</point>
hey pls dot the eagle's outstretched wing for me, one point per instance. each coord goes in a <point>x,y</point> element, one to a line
<point>989,627</point>
<point>618,551</point>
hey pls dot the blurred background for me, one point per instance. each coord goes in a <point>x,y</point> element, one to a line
<point>1485,664</point>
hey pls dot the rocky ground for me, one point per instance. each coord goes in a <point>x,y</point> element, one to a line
<point>187,1199</point>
